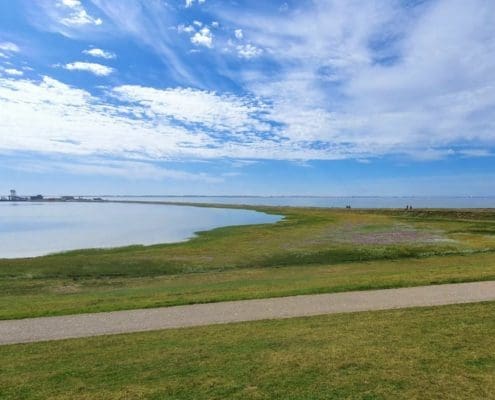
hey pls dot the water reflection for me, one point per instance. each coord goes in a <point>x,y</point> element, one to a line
<point>31,229</point>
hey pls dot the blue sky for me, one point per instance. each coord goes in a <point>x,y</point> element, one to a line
<point>247,97</point>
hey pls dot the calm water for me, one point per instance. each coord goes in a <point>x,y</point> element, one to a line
<point>356,202</point>
<point>32,229</point>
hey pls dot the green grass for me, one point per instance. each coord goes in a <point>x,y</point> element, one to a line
<point>425,353</point>
<point>42,297</point>
<point>310,251</point>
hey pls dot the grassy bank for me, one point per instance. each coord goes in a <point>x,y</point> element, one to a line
<point>310,251</point>
<point>434,353</point>
<point>22,298</point>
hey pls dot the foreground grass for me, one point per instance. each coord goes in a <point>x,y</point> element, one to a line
<point>431,353</point>
<point>310,251</point>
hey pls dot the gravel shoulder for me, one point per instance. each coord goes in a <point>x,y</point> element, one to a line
<point>106,323</point>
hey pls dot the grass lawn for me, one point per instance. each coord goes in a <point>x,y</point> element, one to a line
<point>423,353</point>
<point>310,251</point>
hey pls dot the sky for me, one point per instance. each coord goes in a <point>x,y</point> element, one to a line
<point>239,97</point>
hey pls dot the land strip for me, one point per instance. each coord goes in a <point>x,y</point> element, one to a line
<point>85,325</point>
<point>310,251</point>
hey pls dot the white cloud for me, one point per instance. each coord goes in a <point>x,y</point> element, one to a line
<point>13,72</point>
<point>187,29</point>
<point>9,47</point>
<point>377,77</point>
<point>142,123</point>
<point>367,78</point>
<point>75,14</point>
<point>183,123</point>
<point>189,3</point>
<point>476,153</point>
<point>248,51</point>
<point>215,24</point>
<point>66,120</point>
<point>238,34</point>
<point>94,68</point>
<point>203,38</point>
<point>71,3</point>
<point>208,109</point>
<point>148,23</point>
<point>95,52</point>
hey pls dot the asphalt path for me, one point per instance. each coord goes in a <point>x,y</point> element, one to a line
<point>107,323</point>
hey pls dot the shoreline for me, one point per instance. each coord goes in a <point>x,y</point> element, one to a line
<point>276,210</point>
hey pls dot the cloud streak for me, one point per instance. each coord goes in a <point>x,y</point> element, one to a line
<point>75,14</point>
<point>9,47</point>
<point>94,68</point>
<point>99,53</point>
<point>126,169</point>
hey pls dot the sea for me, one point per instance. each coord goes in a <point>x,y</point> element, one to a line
<point>29,229</point>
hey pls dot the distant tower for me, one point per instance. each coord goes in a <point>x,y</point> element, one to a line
<point>13,194</point>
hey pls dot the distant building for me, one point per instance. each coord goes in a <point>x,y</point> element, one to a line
<point>66,198</point>
<point>13,196</point>
<point>37,197</point>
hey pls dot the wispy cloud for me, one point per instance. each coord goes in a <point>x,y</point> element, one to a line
<point>95,52</point>
<point>238,34</point>
<point>9,47</point>
<point>94,68</point>
<point>248,51</point>
<point>179,123</point>
<point>75,14</point>
<point>148,23</point>
<point>70,18</point>
<point>190,3</point>
<point>207,109</point>
<point>127,169</point>
<point>151,123</point>
<point>13,72</point>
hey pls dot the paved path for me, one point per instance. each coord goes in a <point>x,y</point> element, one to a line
<point>82,325</point>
